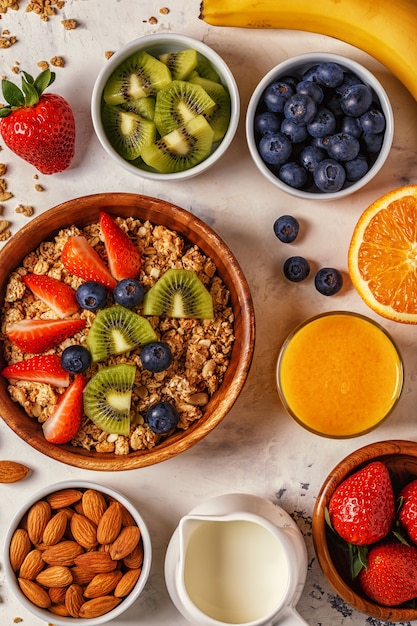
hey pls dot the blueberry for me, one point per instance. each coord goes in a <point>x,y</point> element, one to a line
<point>286,228</point>
<point>91,295</point>
<point>128,292</point>
<point>356,168</point>
<point>290,80</point>
<point>328,281</point>
<point>351,125</point>
<point>309,88</point>
<point>329,74</point>
<point>329,176</point>
<point>275,148</point>
<point>276,95</point>
<point>300,108</point>
<point>296,269</point>
<point>156,356</point>
<point>296,133</point>
<point>343,147</point>
<point>311,74</point>
<point>372,121</point>
<point>293,174</point>
<point>76,359</point>
<point>162,417</point>
<point>356,100</point>
<point>323,123</point>
<point>267,122</point>
<point>348,80</point>
<point>311,156</point>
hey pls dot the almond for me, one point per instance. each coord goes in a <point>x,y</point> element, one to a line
<point>59,609</point>
<point>74,599</point>
<point>102,584</point>
<point>55,576</point>
<point>99,562</point>
<point>127,517</point>
<point>55,528</point>
<point>57,594</point>
<point>20,546</point>
<point>126,541</point>
<point>94,505</point>
<point>35,593</point>
<point>39,515</point>
<point>84,531</point>
<point>110,523</point>
<point>11,471</point>
<point>62,553</point>
<point>82,575</point>
<point>32,565</point>
<point>135,558</point>
<point>63,498</point>
<point>127,582</point>
<point>98,606</point>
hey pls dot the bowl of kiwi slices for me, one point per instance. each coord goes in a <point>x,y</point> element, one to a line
<point>165,107</point>
<point>127,331</point>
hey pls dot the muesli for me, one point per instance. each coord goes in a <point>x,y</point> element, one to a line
<point>201,348</point>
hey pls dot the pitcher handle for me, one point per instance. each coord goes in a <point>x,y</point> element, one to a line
<point>290,617</point>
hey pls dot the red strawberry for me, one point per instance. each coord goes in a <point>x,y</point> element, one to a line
<point>390,576</point>
<point>408,510</point>
<point>39,128</point>
<point>45,368</point>
<point>123,256</point>
<point>37,336</point>
<point>82,260</point>
<point>59,296</point>
<point>362,508</point>
<point>65,421</point>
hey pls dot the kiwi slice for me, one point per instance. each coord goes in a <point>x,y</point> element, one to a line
<point>218,116</point>
<point>205,69</point>
<point>145,107</point>
<point>178,103</point>
<point>127,132</point>
<point>180,63</point>
<point>139,76</point>
<point>116,330</point>
<point>179,293</point>
<point>181,148</point>
<point>107,398</point>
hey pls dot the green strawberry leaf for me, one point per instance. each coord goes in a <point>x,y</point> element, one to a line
<point>12,94</point>
<point>5,111</point>
<point>43,80</point>
<point>28,77</point>
<point>358,559</point>
<point>31,95</point>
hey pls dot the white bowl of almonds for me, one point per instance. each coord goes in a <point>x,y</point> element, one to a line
<point>77,553</point>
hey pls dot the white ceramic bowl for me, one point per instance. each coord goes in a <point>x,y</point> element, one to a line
<point>46,615</point>
<point>297,66</point>
<point>156,44</point>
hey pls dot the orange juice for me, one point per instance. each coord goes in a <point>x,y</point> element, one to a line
<point>339,374</point>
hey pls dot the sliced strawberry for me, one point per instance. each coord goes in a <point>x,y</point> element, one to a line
<point>82,260</point>
<point>65,421</point>
<point>59,296</point>
<point>123,256</point>
<point>45,368</point>
<point>37,336</point>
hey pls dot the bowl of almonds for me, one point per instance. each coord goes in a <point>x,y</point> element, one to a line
<point>77,553</point>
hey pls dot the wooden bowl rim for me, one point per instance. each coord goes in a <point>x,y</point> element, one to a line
<point>138,205</point>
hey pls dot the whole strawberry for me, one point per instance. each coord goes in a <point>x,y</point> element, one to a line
<point>408,511</point>
<point>362,508</point>
<point>38,127</point>
<point>390,576</point>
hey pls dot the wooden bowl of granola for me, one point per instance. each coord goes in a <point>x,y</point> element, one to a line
<point>212,362</point>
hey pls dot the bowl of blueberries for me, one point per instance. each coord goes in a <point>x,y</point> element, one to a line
<point>319,126</point>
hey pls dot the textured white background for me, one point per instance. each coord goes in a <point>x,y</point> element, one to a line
<point>257,449</point>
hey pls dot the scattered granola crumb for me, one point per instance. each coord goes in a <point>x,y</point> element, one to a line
<point>3,169</point>
<point>57,61</point>
<point>43,65</point>
<point>9,4</point>
<point>44,8</point>
<point>39,187</point>
<point>153,20</point>
<point>4,230</point>
<point>164,11</point>
<point>69,24</point>
<point>7,42</point>
<point>108,54</point>
<point>15,69</point>
<point>17,620</point>
<point>5,195</point>
<point>36,177</point>
<point>25,210</point>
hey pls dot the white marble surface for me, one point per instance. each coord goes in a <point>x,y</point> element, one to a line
<point>257,449</point>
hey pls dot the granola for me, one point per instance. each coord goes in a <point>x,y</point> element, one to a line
<point>201,348</point>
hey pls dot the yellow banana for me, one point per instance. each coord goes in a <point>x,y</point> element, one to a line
<point>384,29</point>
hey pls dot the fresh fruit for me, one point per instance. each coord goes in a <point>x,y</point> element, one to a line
<point>162,417</point>
<point>127,131</point>
<point>129,292</point>
<point>39,335</point>
<point>75,359</point>
<point>286,228</point>
<point>296,269</point>
<point>38,127</point>
<point>381,255</point>
<point>180,63</point>
<point>91,295</point>
<point>59,296</point>
<point>381,32</point>
<point>117,330</point>
<point>156,356</point>
<point>44,368</point>
<point>123,256</point>
<point>275,148</point>
<point>329,176</point>
<point>63,424</point>
<point>218,116</point>
<point>328,281</point>
<point>390,575</point>
<point>407,514</point>
<point>179,293</point>
<point>107,398</point>
<point>12,471</point>
<point>362,507</point>
<point>178,103</point>
<point>80,258</point>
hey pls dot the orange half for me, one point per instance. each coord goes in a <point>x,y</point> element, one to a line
<point>382,257</point>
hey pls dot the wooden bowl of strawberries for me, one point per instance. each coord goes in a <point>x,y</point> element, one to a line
<point>128,331</point>
<point>365,530</point>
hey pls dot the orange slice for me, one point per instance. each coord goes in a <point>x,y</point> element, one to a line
<point>382,256</point>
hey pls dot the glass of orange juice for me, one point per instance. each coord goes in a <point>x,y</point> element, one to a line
<point>339,374</point>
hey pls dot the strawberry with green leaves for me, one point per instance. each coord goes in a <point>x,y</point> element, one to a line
<point>39,127</point>
<point>65,421</point>
<point>408,509</point>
